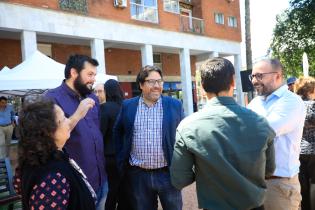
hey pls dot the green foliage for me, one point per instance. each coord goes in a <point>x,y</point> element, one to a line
<point>294,34</point>
<point>79,6</point>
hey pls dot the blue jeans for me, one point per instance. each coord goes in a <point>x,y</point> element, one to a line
<point>146,186</point>
<point>101,196</point>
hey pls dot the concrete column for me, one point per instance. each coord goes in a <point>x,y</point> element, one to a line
<point>28,43</point>
<point>98,53</point>
<point>185,72</point>
<point>239,90</point>
<point>147,55</point>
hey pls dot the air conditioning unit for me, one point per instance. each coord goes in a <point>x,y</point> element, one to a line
<point>120,3</point>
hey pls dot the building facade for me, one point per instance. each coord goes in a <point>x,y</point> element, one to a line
<point>124,35</point>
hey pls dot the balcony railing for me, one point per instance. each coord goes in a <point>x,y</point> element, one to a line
<point>79,6</point>
<point>191,24</point>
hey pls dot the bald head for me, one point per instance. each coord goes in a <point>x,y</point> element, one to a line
<point>100,93</point>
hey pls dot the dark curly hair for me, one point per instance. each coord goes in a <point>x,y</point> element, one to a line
<point>304,86</point>
<point>37,121</point>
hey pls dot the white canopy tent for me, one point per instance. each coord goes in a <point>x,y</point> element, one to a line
<point>5,69</point>
<point>38,72</point>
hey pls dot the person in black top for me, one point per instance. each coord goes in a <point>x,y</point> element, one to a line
<point>109,112</point>
<point>46,177</point>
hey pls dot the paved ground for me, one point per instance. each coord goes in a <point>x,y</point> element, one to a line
<point>189,198</point>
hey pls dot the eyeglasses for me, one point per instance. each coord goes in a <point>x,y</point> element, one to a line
<point>259,76</point>
<point>152,82</point>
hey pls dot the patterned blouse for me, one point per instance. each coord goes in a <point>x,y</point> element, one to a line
<point>52,191</point>
<point>308,139</point>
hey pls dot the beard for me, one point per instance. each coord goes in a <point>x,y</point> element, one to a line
<point>83,89</point>
<point>263,90</point>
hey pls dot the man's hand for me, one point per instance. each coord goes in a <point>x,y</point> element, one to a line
<point>84,106</point>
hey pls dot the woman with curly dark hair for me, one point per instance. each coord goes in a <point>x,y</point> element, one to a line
<point>305,87</point>
<point>47,177</point>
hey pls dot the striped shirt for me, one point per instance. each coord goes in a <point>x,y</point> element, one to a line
<point>146,150</point>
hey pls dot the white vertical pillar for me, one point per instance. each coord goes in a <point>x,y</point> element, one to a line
<point>239,90</point>
<point>28,43</point>
<point>147,55</point>
<point>185,72</point>
<point>97,52</point>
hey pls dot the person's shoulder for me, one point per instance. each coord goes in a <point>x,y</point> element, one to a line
<point>189,121</point>
<point>171,100</point>
<point>292,98</point>
<point>131,100</point>
<point>53,93</point>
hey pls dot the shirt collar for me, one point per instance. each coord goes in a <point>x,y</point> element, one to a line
<point>277,93</point>
<point>221,100</point>
<point>141,100</point>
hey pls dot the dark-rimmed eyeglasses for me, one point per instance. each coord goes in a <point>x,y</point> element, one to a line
<point>152,82</point>
<point>259,76</point>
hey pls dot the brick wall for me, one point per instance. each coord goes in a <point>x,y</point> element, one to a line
<point>203,9</point>
<point>118,61</point>
<point>228,9</point>
<point>10,53</point>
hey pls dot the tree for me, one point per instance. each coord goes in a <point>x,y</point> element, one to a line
<point>294,34</point>
<point>248,43</point>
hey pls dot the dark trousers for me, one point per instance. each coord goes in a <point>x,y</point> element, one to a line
<point>114,196</point>
<point>306,177</point>
<point>147,186</point>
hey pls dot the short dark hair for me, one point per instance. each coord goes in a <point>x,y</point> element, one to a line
<point>3,98</point>
<point>145,71</point>
<point>216,75</point>
<point>275,63</point>
<point>77,62</point>
<point>113,91</point>
<point>37,123</point>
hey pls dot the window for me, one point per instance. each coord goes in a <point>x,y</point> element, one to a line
<point>219,18</point>
<point>145,10</point>
<point>232,22</point>
<point>157,61</point>
<point>171,6</point>
<point>45,49</point>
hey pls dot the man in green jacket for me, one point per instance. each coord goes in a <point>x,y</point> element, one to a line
<point>227,149</point>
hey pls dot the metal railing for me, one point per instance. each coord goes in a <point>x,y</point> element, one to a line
<point>191,24</point>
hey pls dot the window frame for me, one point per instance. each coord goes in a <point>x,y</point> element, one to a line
<point>160,65</point>
<point>218,14</point>
<point>178,7</point>
<point>234,22</point>
<point>142,5</point>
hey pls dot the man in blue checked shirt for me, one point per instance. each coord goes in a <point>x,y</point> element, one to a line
<point>145,134</point>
